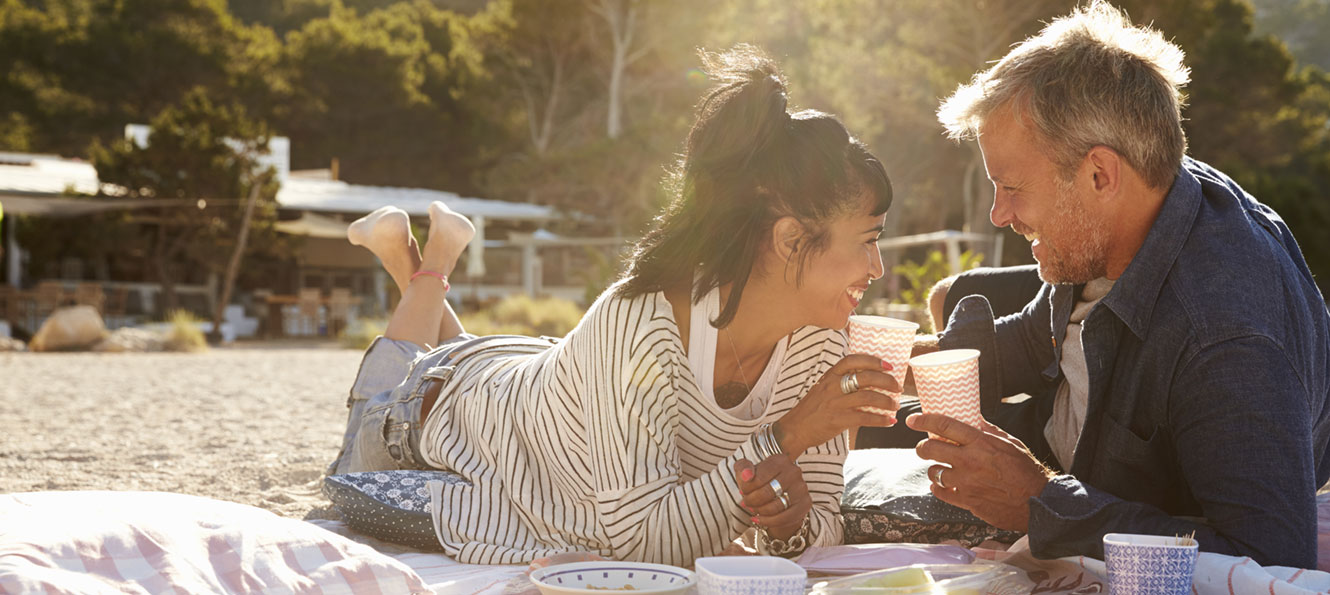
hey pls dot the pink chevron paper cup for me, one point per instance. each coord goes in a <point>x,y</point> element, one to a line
<point>948,383</point>
<point>888,339</point>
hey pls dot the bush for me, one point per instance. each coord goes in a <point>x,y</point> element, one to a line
<point>524,315</point>
<point>513,315</point>
<point>361,332</point>
<point>920,277</point>
<point>185,334</point>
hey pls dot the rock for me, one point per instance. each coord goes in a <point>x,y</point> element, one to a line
<point>69,329</point>
<point>12,344</point>
<point>128,339</point>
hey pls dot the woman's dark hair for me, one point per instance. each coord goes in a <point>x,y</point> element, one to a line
<point>748,162</point>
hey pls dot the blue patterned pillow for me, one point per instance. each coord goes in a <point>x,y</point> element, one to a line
<point>390,505</point>
<point>887,500</point>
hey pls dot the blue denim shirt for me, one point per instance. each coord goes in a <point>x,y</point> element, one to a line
<point>1208,365</point>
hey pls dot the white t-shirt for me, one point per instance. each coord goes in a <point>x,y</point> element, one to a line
<point>1064,427</point>
<point>703,340</point>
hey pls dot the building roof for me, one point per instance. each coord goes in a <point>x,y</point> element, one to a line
<point>30,184</point>
<point>335,196</point>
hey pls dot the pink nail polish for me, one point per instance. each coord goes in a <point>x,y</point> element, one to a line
<point>747,475</point>
<point>886,365</point>
<point>756,522</point>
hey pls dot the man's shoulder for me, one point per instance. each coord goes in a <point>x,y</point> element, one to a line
<point>1239,271</point>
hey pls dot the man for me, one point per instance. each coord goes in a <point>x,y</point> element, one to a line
<point>1188,352</point>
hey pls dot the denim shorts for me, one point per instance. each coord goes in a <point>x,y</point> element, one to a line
<point>383,425</point>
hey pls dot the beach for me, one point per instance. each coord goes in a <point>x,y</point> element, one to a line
<point>254,423</point>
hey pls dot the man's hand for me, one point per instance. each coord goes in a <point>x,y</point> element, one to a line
<point>987,471</point>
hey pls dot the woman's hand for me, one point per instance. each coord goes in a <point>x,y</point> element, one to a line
<point>826,411</point>
<point>760,499</point>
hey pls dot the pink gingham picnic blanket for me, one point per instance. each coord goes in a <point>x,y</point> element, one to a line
<point>152,542</point>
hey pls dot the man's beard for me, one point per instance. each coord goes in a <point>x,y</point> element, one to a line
<point>1081,252</point>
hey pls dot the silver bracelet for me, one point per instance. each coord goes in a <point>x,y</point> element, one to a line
<point>769,546</point>
<point>766,443</point>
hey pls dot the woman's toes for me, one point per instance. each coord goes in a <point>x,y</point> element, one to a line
<point>385,227</point>
<point>445,225</point>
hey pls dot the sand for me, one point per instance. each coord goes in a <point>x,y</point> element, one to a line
<point>254,423</point>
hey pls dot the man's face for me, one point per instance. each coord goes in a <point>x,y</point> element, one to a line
<point>1069,242</point>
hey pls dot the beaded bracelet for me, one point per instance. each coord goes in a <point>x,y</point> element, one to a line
<point>439,276</point>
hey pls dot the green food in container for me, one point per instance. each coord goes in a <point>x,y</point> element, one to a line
<point>921,579</point>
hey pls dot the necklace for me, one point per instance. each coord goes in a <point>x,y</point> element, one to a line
<point>730,335</point>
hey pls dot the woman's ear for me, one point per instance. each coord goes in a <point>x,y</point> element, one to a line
<point>787,238</point>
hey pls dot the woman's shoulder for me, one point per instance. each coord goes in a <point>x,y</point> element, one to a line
<point>813,345</point>
<point>627,316</point>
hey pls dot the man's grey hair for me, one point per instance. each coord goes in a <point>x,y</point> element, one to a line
<point>1087,79</point>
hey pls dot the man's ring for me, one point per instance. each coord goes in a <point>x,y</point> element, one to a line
<point>937,478</point>
<point>849,383</point>
<point>775,487</point>
<point>784,499</point>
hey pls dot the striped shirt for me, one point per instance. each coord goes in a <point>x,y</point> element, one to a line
<point>604,442</point>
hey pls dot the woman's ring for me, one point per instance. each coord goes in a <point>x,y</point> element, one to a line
<point>784,499</point>
<point>937,478</point>
<point>849,383</point>
<point>775,487</point>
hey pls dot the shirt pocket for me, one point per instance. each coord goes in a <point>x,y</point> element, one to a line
<point>1132,466</point>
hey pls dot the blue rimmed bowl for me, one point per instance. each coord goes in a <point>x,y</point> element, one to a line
<point>581,578</point>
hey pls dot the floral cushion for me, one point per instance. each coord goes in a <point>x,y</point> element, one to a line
<point>887,500</point>
<point>390,505</point>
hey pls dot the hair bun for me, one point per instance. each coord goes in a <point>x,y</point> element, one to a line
<point>744,113</point>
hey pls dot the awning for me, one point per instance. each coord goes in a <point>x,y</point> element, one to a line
<point>314,225</point>
<point>61,206</point>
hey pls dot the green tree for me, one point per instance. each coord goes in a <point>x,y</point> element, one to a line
<point>82,69</point>
<point>380,92</point>
<point>200,160</point>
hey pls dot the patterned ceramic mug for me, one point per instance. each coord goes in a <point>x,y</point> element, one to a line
<point>1140,564</point>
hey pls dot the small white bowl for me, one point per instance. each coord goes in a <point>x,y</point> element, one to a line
<point>607,576</point>
<point>745,575</point>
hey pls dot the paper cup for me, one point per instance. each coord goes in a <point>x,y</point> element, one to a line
<point>1140,564</point>
<point>888,339</point>
<point>948,383</point>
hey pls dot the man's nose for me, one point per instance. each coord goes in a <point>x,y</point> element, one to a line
<point>1000,214</point>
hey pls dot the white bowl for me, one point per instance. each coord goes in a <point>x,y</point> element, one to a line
<point>746,575</point>
<point>607,576</point>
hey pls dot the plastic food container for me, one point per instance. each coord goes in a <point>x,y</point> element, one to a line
<point>749,575</point>
<point>952,579</point>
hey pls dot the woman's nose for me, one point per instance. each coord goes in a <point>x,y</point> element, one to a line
<point>875,267</point>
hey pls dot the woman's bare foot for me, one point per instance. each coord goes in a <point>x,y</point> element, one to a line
<point>387,233</point>
<point>449,234</point>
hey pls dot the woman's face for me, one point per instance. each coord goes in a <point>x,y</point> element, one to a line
<point>836,277</point>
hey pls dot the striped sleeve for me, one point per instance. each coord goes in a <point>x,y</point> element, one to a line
<point>823,465</point>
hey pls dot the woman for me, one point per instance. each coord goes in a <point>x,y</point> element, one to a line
<point>636,435</point>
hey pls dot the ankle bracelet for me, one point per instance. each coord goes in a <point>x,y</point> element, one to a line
<point>439,276</point>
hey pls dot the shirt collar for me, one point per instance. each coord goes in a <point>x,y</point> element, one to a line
<point>1134,296</point>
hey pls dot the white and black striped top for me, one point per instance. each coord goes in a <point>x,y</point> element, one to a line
<point>604,443</point>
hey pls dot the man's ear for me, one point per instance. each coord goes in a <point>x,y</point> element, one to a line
<point>787,238</point>
<point>1106,171</point>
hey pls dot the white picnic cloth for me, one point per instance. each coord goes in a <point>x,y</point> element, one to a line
<point>1217,574</point>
